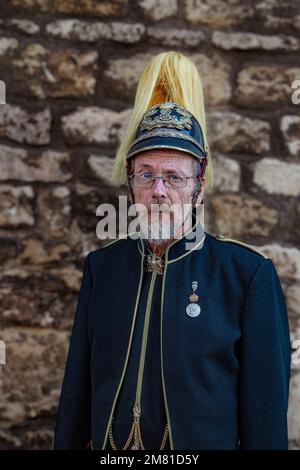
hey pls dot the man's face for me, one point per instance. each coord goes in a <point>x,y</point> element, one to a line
<point>164,223</point>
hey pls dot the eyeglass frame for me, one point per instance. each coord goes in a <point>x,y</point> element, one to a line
<point>163,176</point>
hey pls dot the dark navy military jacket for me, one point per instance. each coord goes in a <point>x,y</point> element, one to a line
<point>153,414</point>
<point>224,373</point>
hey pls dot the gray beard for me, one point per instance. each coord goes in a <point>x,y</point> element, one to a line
<point>158,233</point>
<point>162,235</point>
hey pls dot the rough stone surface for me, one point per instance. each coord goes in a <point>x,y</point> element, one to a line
<point>86,31</point>
<point>293,299</point>
<point>173,37</point>
<point>259,85</point>
<point>105,8</point>
<point>41,5</point>
<point>21,126</point>
<point>277,177</point>
<point>16,205</point>
<point>218,13</point>
<point>94,125</point>
<point>101,167</point>
<point>290,128</point>
<point>218,90</point>
<point>248,41</point>
<point>276,15</point>
<point>35,360</point>
<point>294,407</point>
<point>69,70</point>
<point>7,45</point>
<point>123,74</point>
<point>24,26</point>
<point>287,260</point>
<point>158,9</point>
<point>231,132</point>
<point>242,216</point>
<point>18,164</point>
<point>227,174</point>
<point>60,73</point>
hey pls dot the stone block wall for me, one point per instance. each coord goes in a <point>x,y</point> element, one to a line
<point>71,68</point>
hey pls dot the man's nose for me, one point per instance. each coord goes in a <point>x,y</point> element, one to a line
<point>158,188</point>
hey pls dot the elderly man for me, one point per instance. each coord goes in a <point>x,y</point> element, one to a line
<point>175,344</point>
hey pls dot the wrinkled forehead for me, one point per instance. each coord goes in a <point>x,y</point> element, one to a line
<point>164,160</point>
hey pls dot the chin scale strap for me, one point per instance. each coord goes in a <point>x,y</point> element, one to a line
<point>200,179</point>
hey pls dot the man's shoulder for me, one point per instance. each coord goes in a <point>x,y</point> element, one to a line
<point>237,246</point>
<point>239,259</point>
<point>113,246</point>
<point>236,254</point>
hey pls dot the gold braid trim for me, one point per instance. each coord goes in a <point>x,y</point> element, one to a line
<point>223,238</point>
<point>136,432</point>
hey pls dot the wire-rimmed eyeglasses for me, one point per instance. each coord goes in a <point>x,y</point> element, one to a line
<point>171,180</point>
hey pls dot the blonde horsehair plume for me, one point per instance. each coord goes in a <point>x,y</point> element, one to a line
<point>169,76</point>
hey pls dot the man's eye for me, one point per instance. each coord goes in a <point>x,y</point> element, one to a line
<point>147,175</point>
<point>174,177</point>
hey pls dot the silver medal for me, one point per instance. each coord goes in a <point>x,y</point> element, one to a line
<point>193,310</point>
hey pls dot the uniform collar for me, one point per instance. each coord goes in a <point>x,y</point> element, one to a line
<point>180,247</point>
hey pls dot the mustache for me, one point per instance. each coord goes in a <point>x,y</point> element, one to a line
<point>158,207</point>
